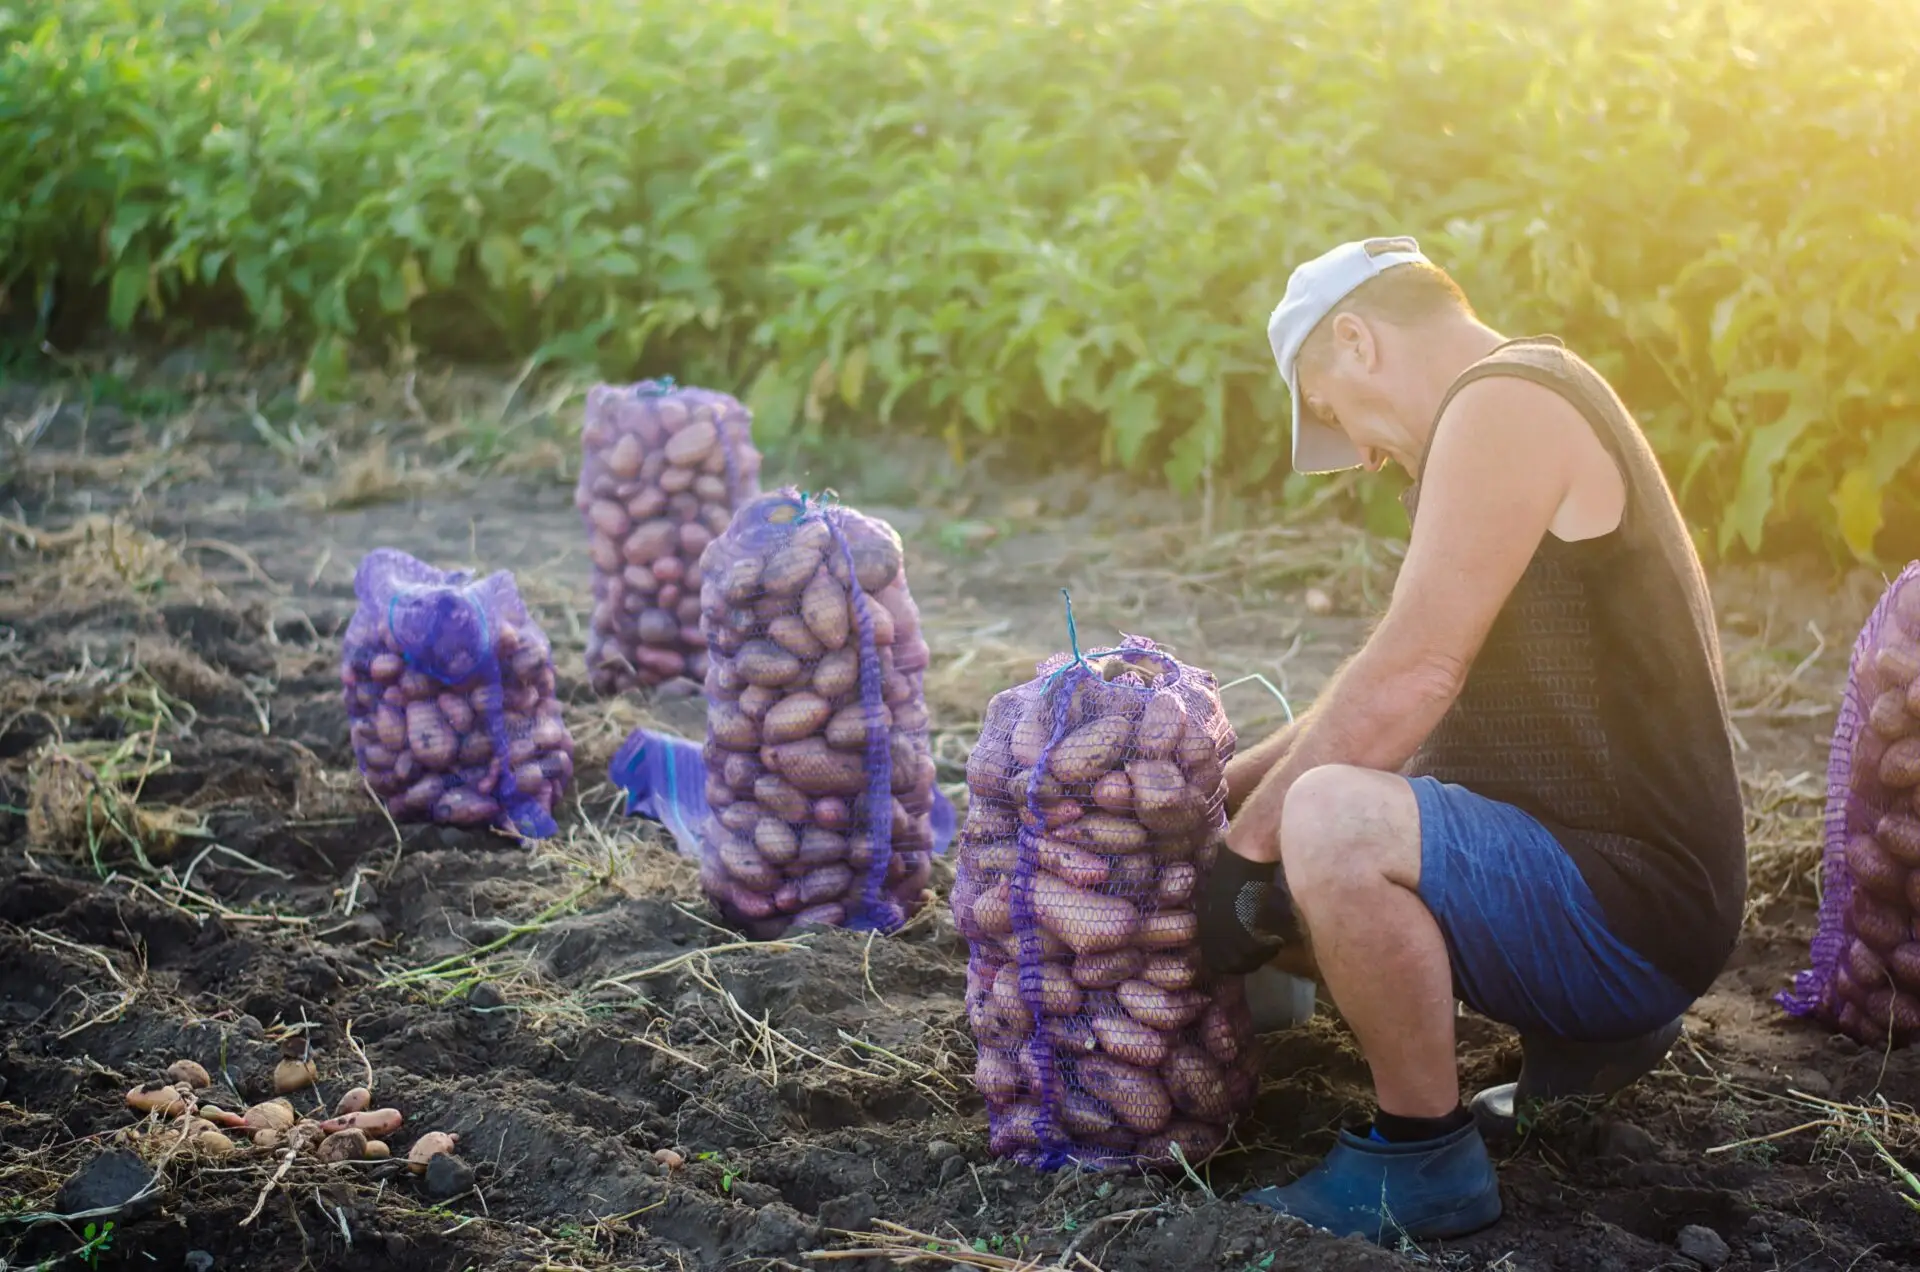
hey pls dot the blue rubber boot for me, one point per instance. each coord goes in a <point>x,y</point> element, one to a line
<point>1430,1188</point>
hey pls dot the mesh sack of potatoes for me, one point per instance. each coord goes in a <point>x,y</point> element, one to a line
<point>820,782</point>
<point>1865,975</point>
<point>662,470</point>
<point>1097,802</point>
<point>449,690</point>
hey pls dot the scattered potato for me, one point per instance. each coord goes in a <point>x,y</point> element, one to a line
<point>376,1123</point>
<point>276,1115</point>
<point>189,1072</point>
<point>168,1099</point>
<point>429,1146</point>
<point>294,1075</point>
<point>344,1146</point>
<point>213,1143</point>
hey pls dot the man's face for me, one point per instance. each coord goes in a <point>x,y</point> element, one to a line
<point>1343,383</point>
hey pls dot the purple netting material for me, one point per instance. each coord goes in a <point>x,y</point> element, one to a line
<point>449,690</point>
<point>1098,799</point>
<point>820,780</point>
<point>665,780</point>
<point>1864,978</point>
<point>662,471</point>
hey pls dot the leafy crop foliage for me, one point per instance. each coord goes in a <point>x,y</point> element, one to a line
<point>1060,222</point>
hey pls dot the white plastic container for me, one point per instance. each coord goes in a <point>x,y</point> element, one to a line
<point>1279,1001</point>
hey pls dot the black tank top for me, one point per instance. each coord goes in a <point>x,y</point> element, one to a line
<point>1597,703</point>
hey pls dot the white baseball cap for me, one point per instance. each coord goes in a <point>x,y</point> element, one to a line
<point>1312,292</point>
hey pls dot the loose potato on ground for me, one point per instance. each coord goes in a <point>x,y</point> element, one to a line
<point>429,1146</point>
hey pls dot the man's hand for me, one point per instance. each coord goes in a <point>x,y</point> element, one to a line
<point>1245,914</point>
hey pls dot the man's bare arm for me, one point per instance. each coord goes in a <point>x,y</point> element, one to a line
<point>1246,768</point>
<point>1499,469</point>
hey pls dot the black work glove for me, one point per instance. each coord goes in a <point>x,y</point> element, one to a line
<point>1246,914</point>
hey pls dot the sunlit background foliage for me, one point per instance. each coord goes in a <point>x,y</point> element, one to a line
<point>1063,222</point>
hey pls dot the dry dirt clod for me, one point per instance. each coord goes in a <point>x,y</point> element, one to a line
<point>111,1180</point>
<point>344,1146</point>
<point>306,1136</point>
<point>354,1101</point>
<point>294,1075</point>
<point>189,1072</point>
<point>1703,1245</point>
<point>447,1177</point>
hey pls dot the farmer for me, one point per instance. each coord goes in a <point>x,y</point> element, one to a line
<point>1520,792</point>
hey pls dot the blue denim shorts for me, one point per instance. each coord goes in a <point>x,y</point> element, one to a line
<point>1529,943</point>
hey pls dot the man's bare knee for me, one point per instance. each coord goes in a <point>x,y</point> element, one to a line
<point>1345,826</point>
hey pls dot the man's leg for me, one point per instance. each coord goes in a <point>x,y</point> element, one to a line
<point>1351,847</point>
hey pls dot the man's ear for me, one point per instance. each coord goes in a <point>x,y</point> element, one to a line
<point>1353,338</point>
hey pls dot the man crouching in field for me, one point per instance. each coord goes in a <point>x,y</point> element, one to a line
<point>1521,791</point>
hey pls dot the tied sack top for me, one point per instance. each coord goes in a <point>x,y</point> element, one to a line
<point>1597,704</point>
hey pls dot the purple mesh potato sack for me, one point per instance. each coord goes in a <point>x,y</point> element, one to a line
<point>819,777</point>
<point>664,779</point>
<point>662,471</point>
<point>1865,977</point>
<point>449,690</point>
<point>1098,800</point>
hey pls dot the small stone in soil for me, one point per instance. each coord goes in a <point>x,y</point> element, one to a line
<point>854,1213</point>
<point>358,930</point>
<point>1703,1245</point>
<point>448,1176</point>
<point>1813,1083</point>
<point>249,1027</point>
<point>940,1150</point>
<point>775,1231</point>
<point>1624,1139</point>
<point>484,997</point>
<point>952,1169</point>
<point>199,1261</point>
<point>678,687</point>
<point>108,1182</point>
<point>1761,1250</point>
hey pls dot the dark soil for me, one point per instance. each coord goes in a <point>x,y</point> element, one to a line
<point>809,1091</point>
